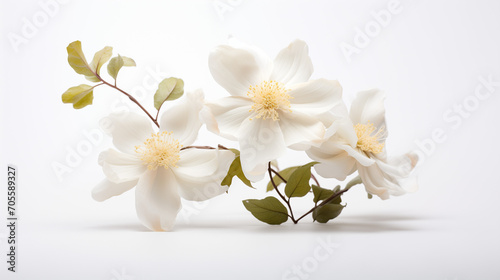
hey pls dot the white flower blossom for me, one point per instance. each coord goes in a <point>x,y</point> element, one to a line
<point>273,105</point>
<point>357,142</point>
<point>157,166</point>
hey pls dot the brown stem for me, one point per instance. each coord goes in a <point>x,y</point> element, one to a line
<point>198,147</point>
<point>131,98</point>
<point>204,147</point>
<point>283,179</point>
<point>279,175</point>
<point>315,180</point>
<point>332,197</point>
<point>157,113</point>
<point>270,170</point>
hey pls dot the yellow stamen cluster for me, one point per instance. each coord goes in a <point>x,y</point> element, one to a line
<point>367,141</point>
<point>268,98</point>
<point>161,149</point>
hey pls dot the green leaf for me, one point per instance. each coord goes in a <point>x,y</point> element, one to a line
<point>336,200</point>
<point>268,210</point>
<point>169,89</point>
<point>285,173</point>
<point>80,96</point>
<point>235,170</point>
<point>76,59</point>
<point>117,62</point>
<point>321,193</point>
<point>78,62</point>
<point>98,61</point>
<point>327,212</point>
<point>114,65</point>
<point>127,61</point>
<point>298,183</point>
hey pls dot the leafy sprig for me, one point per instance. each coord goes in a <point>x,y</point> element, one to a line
<point>83,95</point>
<point>327,203</point>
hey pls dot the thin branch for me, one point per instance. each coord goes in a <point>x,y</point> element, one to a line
<point>279,175</point>
<point>220,147</point>
<point>131,98</point>
<point>332,197</point>
<point>315,180</point>
<point>198,147</point>
<point>270,170</point>
<point>157,113</point>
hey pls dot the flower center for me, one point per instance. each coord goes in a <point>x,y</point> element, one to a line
<point>161,149</point>
<point>268,98</point>
<point>367,141</point>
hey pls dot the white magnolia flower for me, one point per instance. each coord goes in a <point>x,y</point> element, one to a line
<point>358,143</point>
<point>156,164</point>
<point>272,104</point>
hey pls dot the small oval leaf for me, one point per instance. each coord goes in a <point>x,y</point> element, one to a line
<point>235,170</point>
<point>327,212</point>
<point>169,89</point>
<point>268,210</point>
<point>298,183</point>
<point>78,62</point>
<point>117,62</point>
<point>98,61</point>
<point>80,96</point>
<point>127,61</point>
<point>114,65</point>
<point>321,193</point>
<point>76,59</point>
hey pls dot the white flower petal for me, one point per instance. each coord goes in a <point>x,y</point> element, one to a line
<point>184,118</point>
<point>208,118</point>
<point>334,164</point>
<point>127,129</point>
<point>226,115</point>
<point>384,179</point>
<point>338,169</point>
<point>121,167</point>
<point>338,112</point>
<point>360,156</point>
<point>236,69</point>
<point>195,183</point>
<point>374,181</point>
<point>342,128</point>
<point>203,161</point>
<point>107,189</point>
<point>260,142</point>
<point>157,199</point>
<point>332,152</point>
<point>260,56</point>
<point>257,173</point>
<point>293,64</point>
<point>401,167</point>
<point>316,96</point>
<point>368,107</point>
<point>300,131</point>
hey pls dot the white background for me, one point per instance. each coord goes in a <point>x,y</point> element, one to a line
<point>428,59</point>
